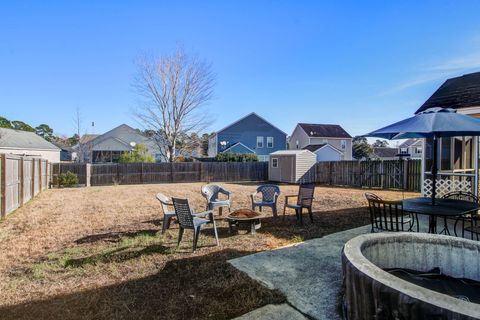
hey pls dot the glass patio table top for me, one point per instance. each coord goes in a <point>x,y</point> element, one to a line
<point>442,207</point>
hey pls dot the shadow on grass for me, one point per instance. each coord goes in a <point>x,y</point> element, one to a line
<point>115,236</point>
<point>116,255</point>
<point>199,287</point>
<point>324,223</point>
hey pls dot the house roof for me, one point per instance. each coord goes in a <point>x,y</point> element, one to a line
<point>87,138</point>
<point>119,139</point>
<point>385,152</point>
<point>457,93</point>
<point>248,115</point>
<point>324,130</point>
<point>315,147</point>
<point>238,144</point>
<point>409,143</point>
<point>17,139</point>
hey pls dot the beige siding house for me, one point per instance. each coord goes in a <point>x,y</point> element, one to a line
<point>307,134</point>
<point>26,143</point>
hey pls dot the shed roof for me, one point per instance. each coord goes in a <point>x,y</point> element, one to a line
<point>290,152</point>
<point>18,139</point>
<point>457,93</point>
<point>324,130</point>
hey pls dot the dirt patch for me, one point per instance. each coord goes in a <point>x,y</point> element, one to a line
<point>97,253</point>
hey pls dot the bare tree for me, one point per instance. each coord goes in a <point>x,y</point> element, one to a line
<point>81,147</point>
<point>174,88</point>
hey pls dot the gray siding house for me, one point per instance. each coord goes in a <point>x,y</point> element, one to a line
<point>309,134</point>
<point>109,146</point>
<point>250,134</point>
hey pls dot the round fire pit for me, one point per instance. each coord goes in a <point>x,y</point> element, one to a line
<point>245,216</point>
<point>382,273</point>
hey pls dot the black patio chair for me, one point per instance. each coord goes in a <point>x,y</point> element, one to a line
<point>470,222</point>
<point>212,193</point>
<point>194,221</point>
<point>388,215</point>
<point>168,213</point>
<point>270,193</point>
<point>304,200</point>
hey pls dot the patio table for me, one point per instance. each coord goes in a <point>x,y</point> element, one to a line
<point>443,208</point>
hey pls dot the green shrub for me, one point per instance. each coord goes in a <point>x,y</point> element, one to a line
<point>236,157</point>
<point>67,179</point>
<point>139,153</point>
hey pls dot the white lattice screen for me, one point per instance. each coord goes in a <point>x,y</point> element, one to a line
<point>445,186</point>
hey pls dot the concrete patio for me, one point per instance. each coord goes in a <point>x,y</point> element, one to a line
<point>308,273</point>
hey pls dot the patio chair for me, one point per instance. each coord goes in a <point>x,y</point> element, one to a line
<point>270,193</point>
<point>304,200</point>
<point>168,214</point>
<point>194,221</point>
<point>388,215</point>
<point>212,193</point>
<point>470,222</point>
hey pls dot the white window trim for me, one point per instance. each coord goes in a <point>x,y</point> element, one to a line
<point>343,144</point>
<point>261,141</point>
<point>274,160</point>
<point>270,138</point>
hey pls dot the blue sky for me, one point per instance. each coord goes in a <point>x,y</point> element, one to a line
<point>361,64</point>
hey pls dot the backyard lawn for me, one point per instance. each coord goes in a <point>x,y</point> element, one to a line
<point>97,253</point>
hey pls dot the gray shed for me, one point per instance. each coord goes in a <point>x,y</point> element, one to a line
<point>292,166</point>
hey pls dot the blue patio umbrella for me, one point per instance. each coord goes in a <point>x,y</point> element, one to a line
<point>432,123</point>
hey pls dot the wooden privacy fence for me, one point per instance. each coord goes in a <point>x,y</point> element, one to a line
<point>21,178</point>
<point>386,174</point>
<point>140,173</point>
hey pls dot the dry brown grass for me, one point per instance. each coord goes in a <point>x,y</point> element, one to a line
<point>95,253</point>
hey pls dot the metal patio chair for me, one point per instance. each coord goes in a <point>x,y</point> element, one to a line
<point>168,213</point>
<point>194,221</point>
<point>304,200</point>
<point>212,193</point>
<point>388,215</point>
<point>270,193</point>
<point>470,222</point>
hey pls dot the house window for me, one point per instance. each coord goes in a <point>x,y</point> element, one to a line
<point>296,144</point>
<point>274,162</point>
<point>343,144</point>
<point>259,142</point>
<point>403,150</point>
<point>418,150</point>
<point>269,142</point>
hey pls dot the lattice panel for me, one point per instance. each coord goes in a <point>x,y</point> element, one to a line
<point>445,186</point>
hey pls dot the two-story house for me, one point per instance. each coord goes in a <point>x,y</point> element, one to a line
<point>411,147</point>
<point>250,134</point>
<point>330,142</point>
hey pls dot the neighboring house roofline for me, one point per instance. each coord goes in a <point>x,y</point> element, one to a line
<point>238,143</point>
<point>344,135</point>
<point>36,149</point>
<point>248,115</point>
<point>320,147</point>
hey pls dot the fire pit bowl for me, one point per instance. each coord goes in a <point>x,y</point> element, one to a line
<point>245,216</point>
<point>372,292</point>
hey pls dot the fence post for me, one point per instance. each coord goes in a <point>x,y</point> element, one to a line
<point>32,185</point>
<point>3,185</point>
<point>141,173</point>
<point>88,173</point>
<point>22,182</point>
<point>40,175</point>
<point>381,174</point>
